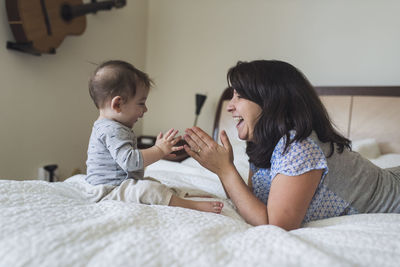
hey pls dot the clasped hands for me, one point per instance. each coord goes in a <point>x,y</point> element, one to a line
<point>206,151</point>
<point>166,143</point>
<point>200,146</point>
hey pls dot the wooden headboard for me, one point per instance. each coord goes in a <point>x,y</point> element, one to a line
<point>361,112</point>
<point>223,119</point>
<point>358,112</point>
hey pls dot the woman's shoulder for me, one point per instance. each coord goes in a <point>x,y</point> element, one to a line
<point>297,150</point>
<point>298,157</point>
<point>295,145</point>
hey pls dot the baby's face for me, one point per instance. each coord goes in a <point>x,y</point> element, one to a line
<point>135,107</point>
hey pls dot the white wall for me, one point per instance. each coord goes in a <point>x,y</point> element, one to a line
<point>45,110</point>
<point>191,45</point>
<point>46,113</point>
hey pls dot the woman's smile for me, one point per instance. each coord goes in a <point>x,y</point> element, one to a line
<point>245,113</point>
<point>238,121</point>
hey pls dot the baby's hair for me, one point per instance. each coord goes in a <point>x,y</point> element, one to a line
<point>116,78</point>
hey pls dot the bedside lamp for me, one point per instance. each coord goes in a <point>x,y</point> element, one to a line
<point>181,154</point>
<point>200,99</point>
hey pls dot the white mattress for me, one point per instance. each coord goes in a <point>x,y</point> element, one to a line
<point>52,224</point>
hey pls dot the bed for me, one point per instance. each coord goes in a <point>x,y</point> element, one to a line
<point>52,224</point>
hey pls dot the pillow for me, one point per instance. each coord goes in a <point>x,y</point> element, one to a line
<point>368,148</point>
<point>387,161</point>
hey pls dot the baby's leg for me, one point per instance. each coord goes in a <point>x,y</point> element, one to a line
<point>202,196</point>
<point>207,206</point>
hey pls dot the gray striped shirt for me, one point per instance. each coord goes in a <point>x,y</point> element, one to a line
<point>112,154</point>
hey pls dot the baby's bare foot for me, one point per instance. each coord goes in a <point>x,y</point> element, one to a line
<point>208,206</point>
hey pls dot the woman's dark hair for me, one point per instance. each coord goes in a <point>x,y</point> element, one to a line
<point>288,102</point>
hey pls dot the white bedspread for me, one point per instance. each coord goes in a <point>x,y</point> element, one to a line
<point>51,224</point>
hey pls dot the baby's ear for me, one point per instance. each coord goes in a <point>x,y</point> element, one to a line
<point>116,103</point>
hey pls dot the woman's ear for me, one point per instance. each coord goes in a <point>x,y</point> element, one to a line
<point>116,103</point>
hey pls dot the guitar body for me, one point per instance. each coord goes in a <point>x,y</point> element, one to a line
<point>39,23</point>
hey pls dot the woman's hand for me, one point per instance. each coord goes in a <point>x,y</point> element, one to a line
<point>207,152</point>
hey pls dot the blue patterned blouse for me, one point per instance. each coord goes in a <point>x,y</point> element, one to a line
<point>299,158</point>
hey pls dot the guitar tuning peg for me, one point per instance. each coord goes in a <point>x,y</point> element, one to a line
<point>119,3</point>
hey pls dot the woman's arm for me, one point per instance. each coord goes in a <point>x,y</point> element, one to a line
<point>248,205</point>
<point>288,200</point>
<point>249,181</point>
<point>219,159</point>
<point>289,196</point>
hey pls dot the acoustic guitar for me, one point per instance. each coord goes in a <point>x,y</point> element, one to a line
<point>39,26</point>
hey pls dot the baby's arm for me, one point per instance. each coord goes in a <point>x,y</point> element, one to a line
<point>163,147</point>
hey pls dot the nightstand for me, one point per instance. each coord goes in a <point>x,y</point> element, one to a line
<point>147,141</point>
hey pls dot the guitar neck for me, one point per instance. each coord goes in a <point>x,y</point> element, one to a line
<point>69,12</point>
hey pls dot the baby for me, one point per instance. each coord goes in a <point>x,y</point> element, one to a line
<point>115,166</point>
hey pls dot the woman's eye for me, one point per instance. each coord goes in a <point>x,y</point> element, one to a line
<point>236,94</point>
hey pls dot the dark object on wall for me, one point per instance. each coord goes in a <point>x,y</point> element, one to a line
<point>40,26</point>
<point>51,169</point>
<point>200,99</point>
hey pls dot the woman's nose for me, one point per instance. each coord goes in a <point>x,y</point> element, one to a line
<point>230,107</point>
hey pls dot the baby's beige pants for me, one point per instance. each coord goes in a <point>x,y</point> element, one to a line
<point>146,191</point>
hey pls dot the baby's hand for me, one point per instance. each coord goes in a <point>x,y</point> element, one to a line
<point>166,142</point>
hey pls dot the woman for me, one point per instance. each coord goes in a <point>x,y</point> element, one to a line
<point>301,169</point>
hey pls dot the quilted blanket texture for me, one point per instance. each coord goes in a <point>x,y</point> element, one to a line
<point>52,224</point>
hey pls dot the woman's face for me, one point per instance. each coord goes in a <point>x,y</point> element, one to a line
<point>246,114</point>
